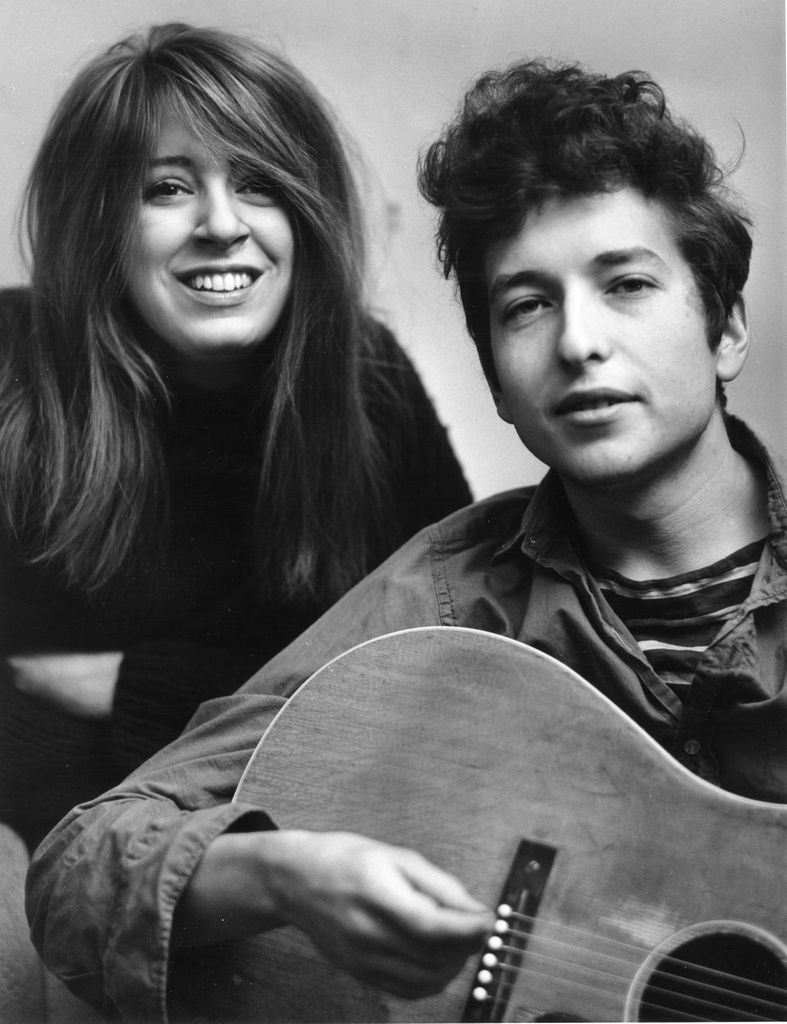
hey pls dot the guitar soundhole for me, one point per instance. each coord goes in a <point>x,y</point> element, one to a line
<point>718,977</point>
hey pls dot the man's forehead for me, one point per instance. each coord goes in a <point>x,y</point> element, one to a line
<point>598,231</point>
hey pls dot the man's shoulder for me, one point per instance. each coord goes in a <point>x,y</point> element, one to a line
<point>482,526</point>
<point>493,520</point>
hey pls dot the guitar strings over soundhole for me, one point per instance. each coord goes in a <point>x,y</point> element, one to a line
<point>728,975</point>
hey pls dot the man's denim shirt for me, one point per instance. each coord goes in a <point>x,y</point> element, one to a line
<point>105,882</point>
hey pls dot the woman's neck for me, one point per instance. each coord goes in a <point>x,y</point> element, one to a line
<point>214,375</point>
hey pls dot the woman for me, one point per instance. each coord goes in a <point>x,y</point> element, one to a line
<point>205,439</point>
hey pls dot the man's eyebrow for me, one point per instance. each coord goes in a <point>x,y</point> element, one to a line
<point>604,260</point>
<point>520,279</point>
<point>617,257</point>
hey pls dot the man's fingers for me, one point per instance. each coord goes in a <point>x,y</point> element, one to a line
<point>442,887</point>
<point>426,904</point>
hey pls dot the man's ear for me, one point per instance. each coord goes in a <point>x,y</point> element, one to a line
<point>733,347</point>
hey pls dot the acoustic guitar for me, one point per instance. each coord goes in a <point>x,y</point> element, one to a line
<point>626,888</point>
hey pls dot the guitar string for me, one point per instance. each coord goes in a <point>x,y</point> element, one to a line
<point>763,987</point>
<point>754,1001</point>
<point>707,1004</point>
<point>637,951</point>
<point>670,1013</point>
<point>502,997</point>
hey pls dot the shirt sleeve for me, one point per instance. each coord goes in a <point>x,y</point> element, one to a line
<point>161,683</point>
<point>104,884</point>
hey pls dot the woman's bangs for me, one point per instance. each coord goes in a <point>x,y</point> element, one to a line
<point>232,135</point>
<point>244,125</point>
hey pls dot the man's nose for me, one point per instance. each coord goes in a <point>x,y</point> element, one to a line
<point>583,329</point>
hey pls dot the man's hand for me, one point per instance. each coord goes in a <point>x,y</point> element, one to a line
<point>382,913</point>
<point>78,684</point>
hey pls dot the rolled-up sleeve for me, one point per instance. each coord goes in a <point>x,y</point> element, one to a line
<point>103,886</point>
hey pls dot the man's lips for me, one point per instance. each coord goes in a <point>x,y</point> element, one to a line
<point>593,400</point>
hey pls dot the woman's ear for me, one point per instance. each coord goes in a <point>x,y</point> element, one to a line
<point>733,347</point>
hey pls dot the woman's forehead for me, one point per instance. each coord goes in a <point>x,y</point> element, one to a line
<point>190,137</point>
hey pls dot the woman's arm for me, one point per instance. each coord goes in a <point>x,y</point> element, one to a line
<point>78,684</point>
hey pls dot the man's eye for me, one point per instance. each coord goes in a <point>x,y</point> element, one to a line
<point>524,308</point>
<point>631,286</point>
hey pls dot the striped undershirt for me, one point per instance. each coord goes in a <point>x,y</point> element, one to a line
<point>675,619</point>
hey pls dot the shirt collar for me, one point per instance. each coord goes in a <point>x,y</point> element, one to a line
<point>745,441</point>
<point>547,530</point>
<point>547,526</point>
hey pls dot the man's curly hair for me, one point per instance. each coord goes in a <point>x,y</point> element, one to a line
<point>539,130</point>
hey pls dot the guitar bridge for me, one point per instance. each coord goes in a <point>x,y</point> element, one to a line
<point>517,909</point>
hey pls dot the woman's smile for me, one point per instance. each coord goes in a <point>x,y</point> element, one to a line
<point>220,280</point>
<point>220,287</point>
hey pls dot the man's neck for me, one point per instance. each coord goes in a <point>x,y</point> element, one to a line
<point>697,513</point>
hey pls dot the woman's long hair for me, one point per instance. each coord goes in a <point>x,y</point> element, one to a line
<point>82,399</point>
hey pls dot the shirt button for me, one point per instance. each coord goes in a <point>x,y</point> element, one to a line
<point>692,747</point>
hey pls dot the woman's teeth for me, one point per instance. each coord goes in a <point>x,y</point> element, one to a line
<point>219,282</point>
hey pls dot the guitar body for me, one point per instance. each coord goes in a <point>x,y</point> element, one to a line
<point>508,770</point>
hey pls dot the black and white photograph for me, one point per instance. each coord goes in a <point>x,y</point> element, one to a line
<point>393,511</point>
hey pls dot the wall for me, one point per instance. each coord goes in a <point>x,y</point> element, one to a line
<point>395,71</point>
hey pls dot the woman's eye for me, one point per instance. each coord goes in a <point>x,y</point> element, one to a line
<point>166,188</point>
<point>256,189</point>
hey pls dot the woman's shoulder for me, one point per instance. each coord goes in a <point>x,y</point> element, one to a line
<point>15,299</point>
<point>15,309</point>
<point>389,369</point>
<point>381,343</point>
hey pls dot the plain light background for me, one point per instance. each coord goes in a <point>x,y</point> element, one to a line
<point>394,70</point>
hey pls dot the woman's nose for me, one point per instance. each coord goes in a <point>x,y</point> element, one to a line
<point>220,218</point>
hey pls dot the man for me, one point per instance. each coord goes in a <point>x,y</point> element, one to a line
<point>600,265</point>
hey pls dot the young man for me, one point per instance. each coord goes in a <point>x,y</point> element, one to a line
<point>600,264</point>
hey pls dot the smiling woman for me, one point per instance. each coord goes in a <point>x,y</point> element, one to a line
<point>210,266</point>
<point>206,438</point>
